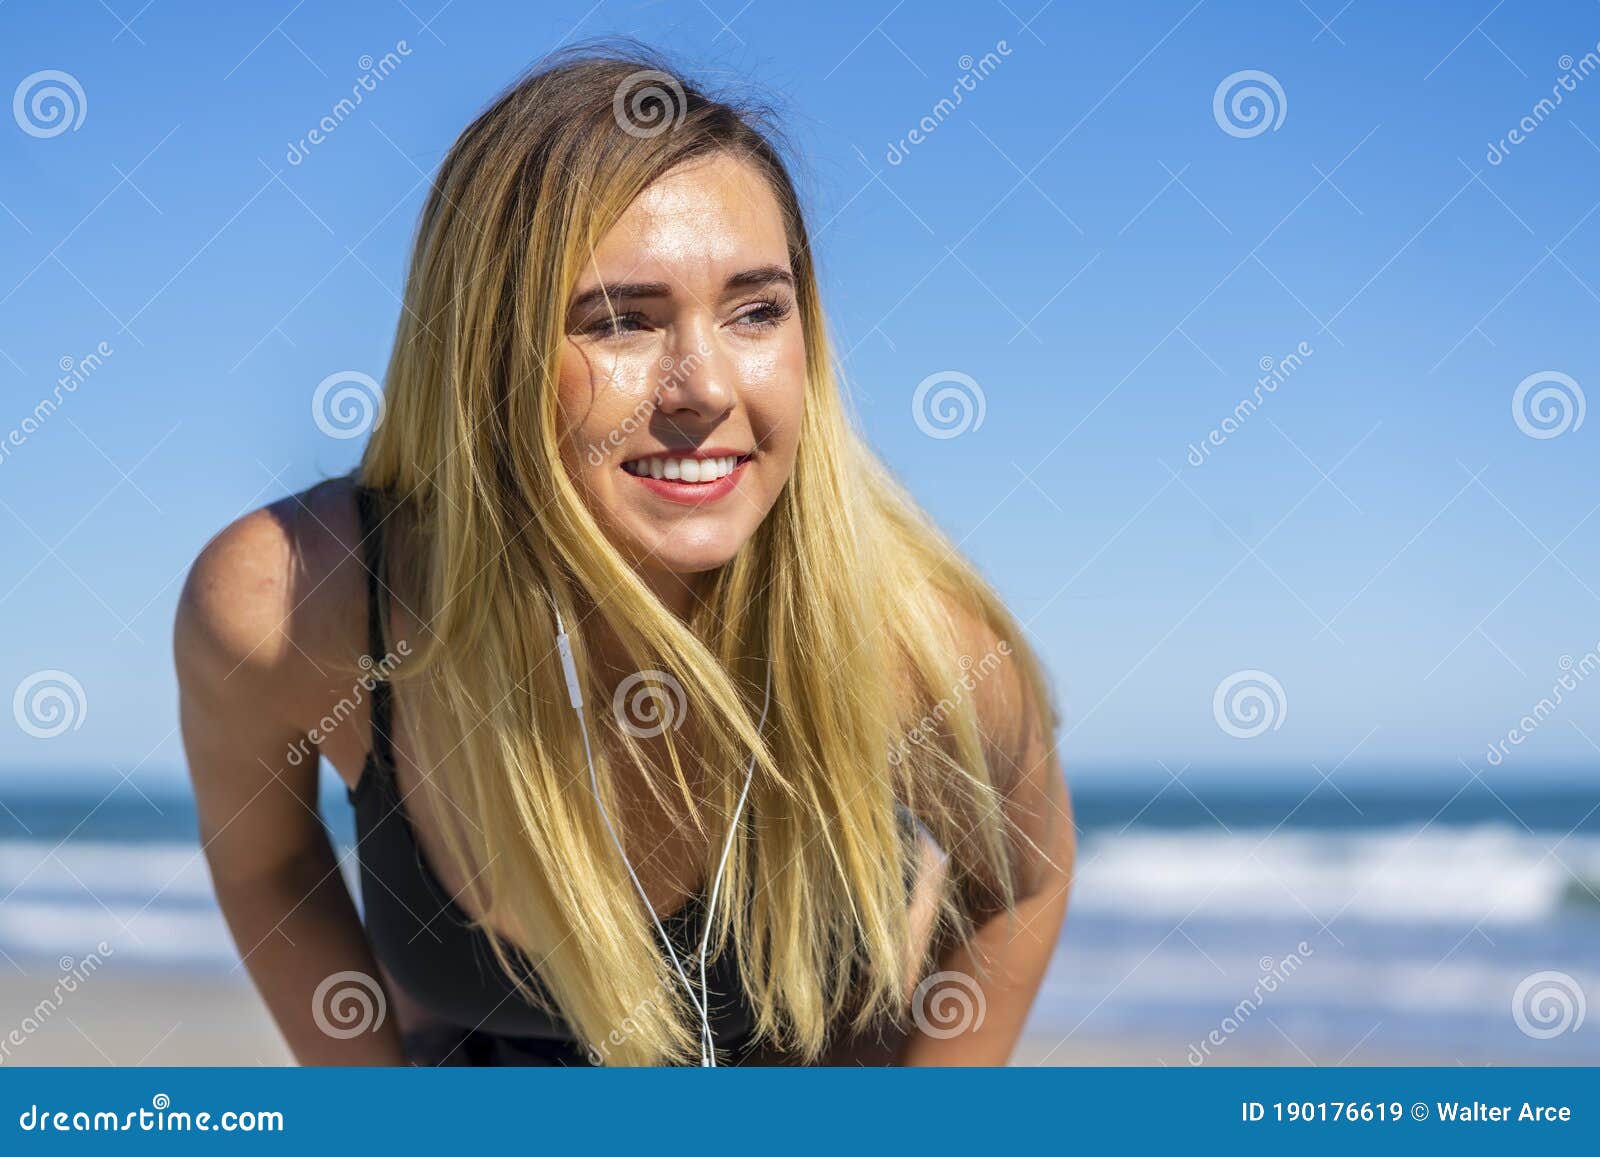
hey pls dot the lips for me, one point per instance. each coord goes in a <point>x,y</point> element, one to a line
<point>690,479</point>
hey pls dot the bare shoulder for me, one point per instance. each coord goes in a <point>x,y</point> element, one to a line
<point>1010,688</point>
<point>271,595</point>
<point>267,631</point>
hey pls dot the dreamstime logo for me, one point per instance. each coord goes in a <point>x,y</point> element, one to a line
<point>972,73</point>
<point>348,1004</point>
<point>677,371</point>
<point>155,1119</point>
<point>57,104</point>
<point>1257,103</point>
<point>947,1004</point>
<point>973,672</point>
<point>1547,404</point>
<point>48,703</point>
<point>1274,974</point>
<point>373,72</point>
<point>1548,1004</point>
<point>1273,374</point>
<point>1247,703</point>
<point>372,673</point>
<point>347,404</point>
<point>74,974</point>
<point>647,703</point>
<point>1572,673</point>
<point>648,103</point>
<point>1572,73</point>
<point>74,372</point>
<point>948,404</point>
<point>628,1027</point>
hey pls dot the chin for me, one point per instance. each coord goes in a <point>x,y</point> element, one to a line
<point>688,559</point>
<point>698,563</point>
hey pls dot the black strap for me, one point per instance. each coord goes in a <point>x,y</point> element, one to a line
<point>371,522</point>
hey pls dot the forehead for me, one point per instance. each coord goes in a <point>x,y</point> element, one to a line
<point>701,220</point>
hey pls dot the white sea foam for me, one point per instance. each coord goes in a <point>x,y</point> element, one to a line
<point>1423,980</point>
<point>152,901</point>
<point>155,900</point>
<point>169,872</point>
<point>1492,873</point>
<point>195,936</point>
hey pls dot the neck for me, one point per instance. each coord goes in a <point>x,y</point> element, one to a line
<point>680,594</point>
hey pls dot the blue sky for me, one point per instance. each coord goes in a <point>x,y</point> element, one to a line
<point>1082,237</point>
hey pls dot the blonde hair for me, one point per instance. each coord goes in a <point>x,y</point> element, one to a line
<point>846,589</point>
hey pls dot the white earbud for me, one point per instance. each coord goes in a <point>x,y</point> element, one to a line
<point>569,669</point>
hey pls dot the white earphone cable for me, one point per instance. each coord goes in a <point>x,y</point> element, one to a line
<point>716,882</point>
<point>569,670</point>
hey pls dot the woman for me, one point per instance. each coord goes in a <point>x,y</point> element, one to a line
<point>810,810</point>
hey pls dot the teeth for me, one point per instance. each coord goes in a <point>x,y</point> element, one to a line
<point>698,470</point>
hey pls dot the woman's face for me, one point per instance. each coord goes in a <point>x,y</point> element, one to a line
<point>682,412</point>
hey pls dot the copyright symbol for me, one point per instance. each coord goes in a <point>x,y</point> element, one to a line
<point>1419,1111</point>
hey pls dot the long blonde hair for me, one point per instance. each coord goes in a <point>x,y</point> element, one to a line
<point>847,591</point>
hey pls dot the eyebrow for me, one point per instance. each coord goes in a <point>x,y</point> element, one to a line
<point>634,290</point>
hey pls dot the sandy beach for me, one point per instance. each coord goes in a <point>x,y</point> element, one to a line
<point>197,1019</point>
<point>141,1019</point>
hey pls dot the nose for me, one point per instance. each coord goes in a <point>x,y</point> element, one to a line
<point>699,381</point>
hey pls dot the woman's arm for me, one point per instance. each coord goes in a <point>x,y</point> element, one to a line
<point>965,1014</point>
<point>273,867</point>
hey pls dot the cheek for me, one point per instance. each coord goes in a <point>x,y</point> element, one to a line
<point>601,401</point>
<point>775,395</point>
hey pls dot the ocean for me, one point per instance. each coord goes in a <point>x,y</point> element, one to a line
<point>1428,922</point>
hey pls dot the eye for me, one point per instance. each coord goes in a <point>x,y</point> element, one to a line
<point>623,323</point>
<point>765,315</point>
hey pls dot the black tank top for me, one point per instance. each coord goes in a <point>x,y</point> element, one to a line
<point>432,948</point>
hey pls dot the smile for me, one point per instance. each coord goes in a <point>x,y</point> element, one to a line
<point>689,480</point>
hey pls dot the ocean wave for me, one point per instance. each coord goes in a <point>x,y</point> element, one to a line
<point>154,900</point>
<point>1420,981</point>
<point>156,935</point>
<point>151,902</point>
<point>105,870</point>
<point>1489,874</point>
